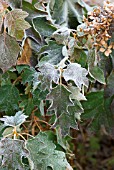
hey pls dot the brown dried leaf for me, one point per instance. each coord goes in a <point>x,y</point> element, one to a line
<point>102,49</point>
<point>107,52</point>
<point>26,53</point>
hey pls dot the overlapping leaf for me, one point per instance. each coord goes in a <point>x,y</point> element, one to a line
<point>51,53</point>
<point>62,11</point>
<point>43,27</point>
<point>12,152</point>
<point>76,94</point>
<point>16,24</point>
<point>9,99</point>
<point>97,74</point>
<point>68,119</point>
<point>50,72</point>
<point>28,75</point>
<point>9,50</point>
<point>43,154</point>
<point>13,121</point>
<point>76,73</point>
<point>60,100</point>
<point>30,8</point>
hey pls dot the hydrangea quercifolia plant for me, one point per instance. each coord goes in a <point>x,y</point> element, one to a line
<point>56,62</point>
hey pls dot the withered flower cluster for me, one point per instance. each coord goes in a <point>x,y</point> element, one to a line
<point>100,25</point>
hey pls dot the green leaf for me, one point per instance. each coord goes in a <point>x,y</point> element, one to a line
<point>16,24</point>
<point>96,73</point>
<point>43,154</point>
<point>61,35</point>
<point>77,55</point>
<point>51,53</point>
<point>28,75</point>
<point>76,73</point>
<point>68,120</point>
<point>62,11</point>
<point>27,105</point>
<point>60,100</point>
<point>9,99</point>
<point>50,72</point>
<point>98,109</point>
<point>31,10</point>
<point>13,121</point>
<point>76,94</point>
<point>20,68</point>
<point>9,50</point>
<point>43,27</point>
<point>12,152</point>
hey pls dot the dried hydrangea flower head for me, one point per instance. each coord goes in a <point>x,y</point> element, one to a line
<point>99,24</point>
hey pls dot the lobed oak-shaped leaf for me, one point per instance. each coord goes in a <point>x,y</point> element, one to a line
<point>13,121</point>
<point>43,154</point>
<point>16,24</point>
<point>12,152</point>
<point>68,119</point>
<point>9,50</point>
<point>60,100</point>
<point>76,73</point>
<point>50,72</point>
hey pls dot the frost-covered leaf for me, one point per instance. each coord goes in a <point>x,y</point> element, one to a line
<point>76,94</point>
<point>98,109</point>
<point>16,24</point>
<point>9,50</point>
<point>61,35</point>
<point>68,119</point>
<point>60,100</point>
<point>9,99</point>
<point>12,152</point>
<point>63,11</point>
<point>31,10</point>
<point>76,73</point>
<point>50,72</point>
<point>43,27</point>
<point>51,53</point>
<point>13,121</point>
<point>43,154</point>
<point>97,74</point>
<point>77,53</point>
